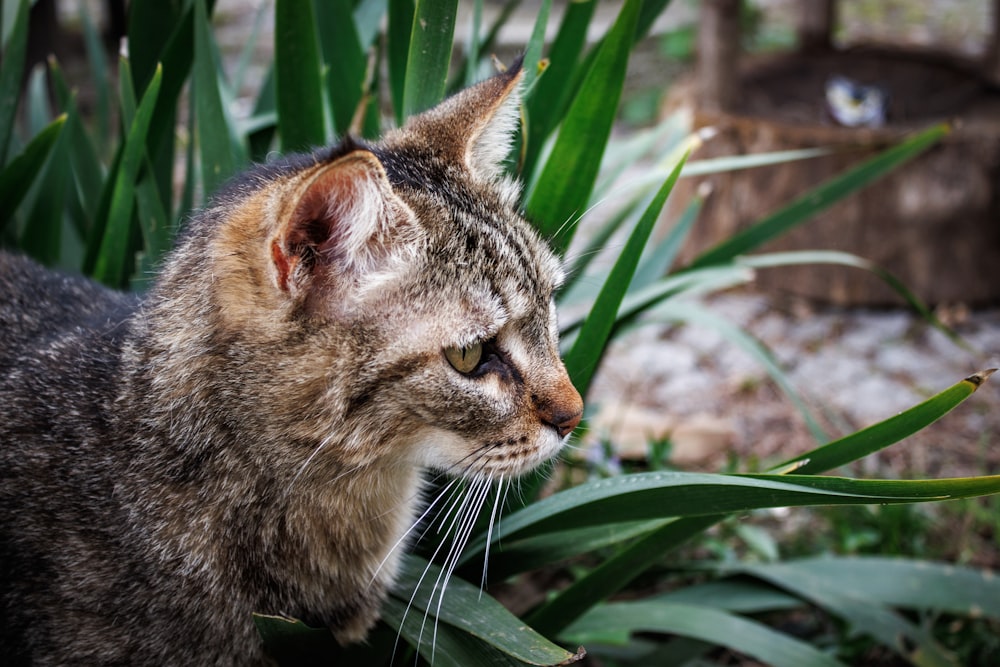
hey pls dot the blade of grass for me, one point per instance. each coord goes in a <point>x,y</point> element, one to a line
<point>548,101</point>
<point>865,615</point>
<point>660,258</point>
<point>17,177</point>
<point>701,622</point>
<point>616,572</point>
<point>657,495</point>
<point>398,45</point>
<point>567,178</point>
<point>583,357</point>
<point>344,57</point>
<point>878,436</point>
<point>11,70</point>
<point>820,198</point>
<point>429,54</point>
<point>217,161</point>
<point>297,75</point>
<point>466,608</point>
<point>846,259</point>
<point>99,72</point>
<point>42,235</point>
<point>110,266</point>
<point>88,172</point>
<point>898,582</point>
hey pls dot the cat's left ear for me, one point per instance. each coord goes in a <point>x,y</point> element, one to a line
<point>345,224</point>
<point>476,126</point>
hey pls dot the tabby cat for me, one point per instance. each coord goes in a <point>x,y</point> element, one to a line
<point>250,435</point>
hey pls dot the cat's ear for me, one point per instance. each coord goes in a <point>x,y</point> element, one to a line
<point>345,220</point>
<point>477,125</point>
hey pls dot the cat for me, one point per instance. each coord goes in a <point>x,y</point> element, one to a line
<point>251,434</point>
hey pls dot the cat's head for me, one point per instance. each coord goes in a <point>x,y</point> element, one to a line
<point>424,300</point>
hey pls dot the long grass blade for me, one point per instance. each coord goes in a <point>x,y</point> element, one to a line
<point>345,60</point>
<point>691,313</point>
<point>42,237</point>
<point>297,75</point>
<point>400,27</point>
<point>563,188</point>
<point>549,99</point>
<point>583,357</point>
<point>864,614</point>
<point>622,619</point>
<point>217,163</point>
<point>11,70</point>
<point>473,613</point>
<point>892,430</point>
<point>17,177</point>
<point>429,54</point>
<point>820,198</point>
<point>110,267</point>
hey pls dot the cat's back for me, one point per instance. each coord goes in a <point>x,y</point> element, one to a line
<point>59,341</point>
<point>38,305</point>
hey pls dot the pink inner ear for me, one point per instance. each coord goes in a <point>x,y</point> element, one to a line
<point>336,219</point>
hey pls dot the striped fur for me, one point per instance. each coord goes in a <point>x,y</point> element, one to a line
<point>250,436</point>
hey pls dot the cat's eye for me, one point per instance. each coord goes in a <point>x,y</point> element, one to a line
<point>464,359</point>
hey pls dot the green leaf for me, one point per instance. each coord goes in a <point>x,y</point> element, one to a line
<point>398,45</point>
<point>346,61</point>
<point>700,622</point>
<point>688,282</point>
<point>864,614</point>
<point>429,54</point>
<point>658,260</point>
<point>466,608</point>
<point>297,72</point>
<point>442,645</point>
<point>820,198</point>
<point>561,193</point>
<point>900,582</point>
<point>892,430</point>
<point>88,172</point>
<point>11,71</point>
<point>217,162</point>
<point>657,495</point>
<point>847,259</point>
<point>581,362</point>
<point>42,237</point>
<point>615,573</point>
<point>17,177</point>
<point>548,100</point>
<point>99,72</point>
<point>110,267</point>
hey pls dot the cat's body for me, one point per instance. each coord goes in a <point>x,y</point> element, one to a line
<point>250,436</point>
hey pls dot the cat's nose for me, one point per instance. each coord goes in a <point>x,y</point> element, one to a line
<point>564,424</point>
<point>562,411</point>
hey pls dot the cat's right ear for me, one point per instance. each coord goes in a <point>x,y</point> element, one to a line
<point>344,224</point>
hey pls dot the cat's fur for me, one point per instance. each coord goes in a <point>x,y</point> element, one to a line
<point>250,435</point>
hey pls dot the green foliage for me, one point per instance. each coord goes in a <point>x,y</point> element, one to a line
<point>80,194</point>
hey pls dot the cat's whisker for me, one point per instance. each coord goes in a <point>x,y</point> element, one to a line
<point>458,544</point>
<point>459,502</point>
<point>410,529</point>
<point>494,514</point>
